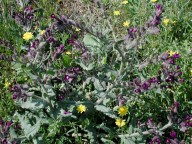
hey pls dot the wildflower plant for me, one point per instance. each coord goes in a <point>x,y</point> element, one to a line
<point>87,83</point>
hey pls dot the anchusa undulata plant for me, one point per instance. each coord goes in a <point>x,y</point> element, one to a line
<point>91,87</point>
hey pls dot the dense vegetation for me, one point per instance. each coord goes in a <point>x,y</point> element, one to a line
<point>102,71</point>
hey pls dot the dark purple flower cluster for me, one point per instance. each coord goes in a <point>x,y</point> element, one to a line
<point>155,140</point>
<point>57,53</point>
<point>149,28</point>
<point>157,17</point>
<point>168,75</point>
<point>24,17</point>
<point>20,92</point>
<point>4,132</point>
<point>186,123</point>
<point>71,74</point>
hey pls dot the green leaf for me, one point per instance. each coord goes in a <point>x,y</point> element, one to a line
<point>93,43</point>
<point>125,140</point>
<point>38,140</point>
<point>91,133</point>
<point>107,111</point>
<point>107,141</point>
<point>12,133</point>
<point>66,60</point>
<point>33,104</point>
<point>87,68</point>
<point>29,130</point>
<point>99,85</point>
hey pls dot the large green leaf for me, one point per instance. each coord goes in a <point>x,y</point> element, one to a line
<point>29,129</point>
<point>93,43</point>
<point>107,111</point>
<point>33,104</point>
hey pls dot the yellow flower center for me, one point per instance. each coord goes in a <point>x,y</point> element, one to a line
<point>68,53</point>
<point>27,36</point>
<point>126,23</point>
<point>119,122</point>
<point>7,84</point>
<point>122,110</point>
<point>116,13</point>
<point>124,2</point>
<point>42,32</point>
<point>166,21</point>
<point>81,108</point>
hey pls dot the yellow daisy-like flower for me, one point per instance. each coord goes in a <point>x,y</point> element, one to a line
<point>27,36</point>
<point>68,53</point>
<point>7,84</point>
<point>119,122</point>
<point>153,0</point>
<point>77,29</point>
<point>116,13</point>
<point>122,110</point>
<point>42,32</point>
<point>124,2</point>
<point>126,23</point>
<point>171,53</point>
<point>166,21</point>
<point>81,108</point>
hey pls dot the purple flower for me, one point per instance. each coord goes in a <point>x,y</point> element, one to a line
<point>176,55</point>
<point>67,77</point>
<point>53,16</point>
<point>61,97</point>
<point>173,134</point>
<point>1,122</point>
<point>4,141</point>
<point>177,67</point>
<point>51,39</point>
<point>137,90</point>
<point>172,61</point>
<point>176,104</point>
<point>15,96</point>
<point>145,86</point>
<point>133,30</point>
<point>8,124</point>
<point>187,117</point>
<point>66,112</point>
<point>61,47</point>
<point>168,140</point>
<point>181,80</point>
<point>159,9</point>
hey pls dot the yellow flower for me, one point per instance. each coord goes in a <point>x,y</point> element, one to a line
<point>166,21</point>
<point>191,72</point>
<point>126,23</point>
<point>77,29</point>
<point>68,52</point>
<point>42,32</point>
<point>124,2</point>
<point>20,9</point>
<point>81,108</point>
<point>116,13</point>
<point>7,84</point>
<point>119,122</point>
<point>153,0</point>
<point>171,53</point>
<point>122,110</point>
<point>27,36</point>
